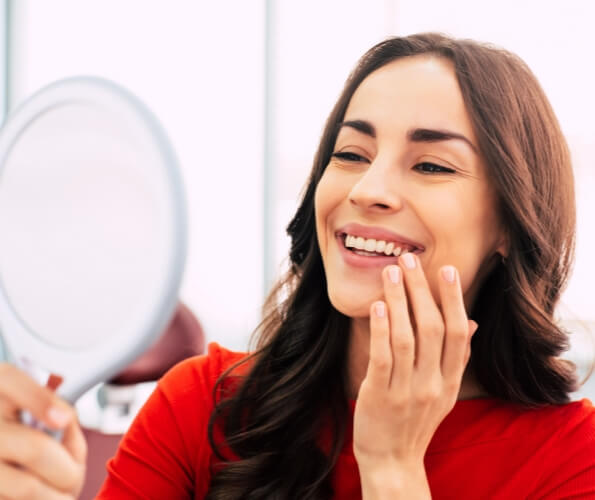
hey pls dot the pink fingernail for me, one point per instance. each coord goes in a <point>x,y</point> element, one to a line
<point>380,310</point>
<point>394,273</point>
<point>409,260</point>
<point>58,416</point>
<point>449,273</point>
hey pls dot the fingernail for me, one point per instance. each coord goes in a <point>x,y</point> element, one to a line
<point>380,310</point>
<point>58,416</point>
<point>394,273</point>
<point>409,260</point>
<point>448,272</point>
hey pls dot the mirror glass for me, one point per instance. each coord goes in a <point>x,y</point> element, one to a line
<point>92,229</point>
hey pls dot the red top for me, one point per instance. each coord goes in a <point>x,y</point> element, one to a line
<point>484,448</point>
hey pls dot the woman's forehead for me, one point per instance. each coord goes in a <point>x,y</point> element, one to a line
<point>412,92</point>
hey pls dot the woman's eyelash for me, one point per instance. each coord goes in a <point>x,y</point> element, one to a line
<point>433,168</point>
<point>346,155</point>
<point>424,167</point>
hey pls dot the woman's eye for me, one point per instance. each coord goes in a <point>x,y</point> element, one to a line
<point>432,168</point>
<point>347,156</point>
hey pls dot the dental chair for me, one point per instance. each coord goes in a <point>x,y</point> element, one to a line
<point>106,412</point>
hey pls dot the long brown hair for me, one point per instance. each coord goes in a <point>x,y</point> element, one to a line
<point>296,383</point>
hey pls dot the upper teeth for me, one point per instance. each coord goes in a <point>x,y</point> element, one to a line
<point>372,245</point>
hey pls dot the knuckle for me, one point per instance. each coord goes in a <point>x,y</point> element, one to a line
<point>429,394</point>
<point>381,363</point>
<point>403,345</point>
<point>461,332</point>
<point>398,402</point>
<point>458,337</point>
<point>452,386</point>
<point>434,328</point>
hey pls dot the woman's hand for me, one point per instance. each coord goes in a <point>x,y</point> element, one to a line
<point>413,378</point>
<point>32,464</point>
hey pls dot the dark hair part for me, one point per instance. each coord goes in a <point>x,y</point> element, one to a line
<point>266,432</point>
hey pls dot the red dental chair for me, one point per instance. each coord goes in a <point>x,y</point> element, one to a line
<point>183,338</point>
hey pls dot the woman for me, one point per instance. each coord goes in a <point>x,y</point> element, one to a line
<point>442,190</point>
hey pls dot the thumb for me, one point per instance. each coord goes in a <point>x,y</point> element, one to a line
<point>74,441</point>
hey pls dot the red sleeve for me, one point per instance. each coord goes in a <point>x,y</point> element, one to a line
<point>572,470</point>
<point>166,453</point>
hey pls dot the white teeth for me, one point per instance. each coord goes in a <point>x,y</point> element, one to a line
<point>370,246</point>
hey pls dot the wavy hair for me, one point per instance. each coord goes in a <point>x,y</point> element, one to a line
<point>266,432</point>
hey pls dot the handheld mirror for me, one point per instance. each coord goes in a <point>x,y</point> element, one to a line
<point>92,232</point>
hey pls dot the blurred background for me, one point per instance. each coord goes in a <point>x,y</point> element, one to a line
<point>243,88</point>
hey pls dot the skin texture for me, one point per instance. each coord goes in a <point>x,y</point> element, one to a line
<point>407,367</point>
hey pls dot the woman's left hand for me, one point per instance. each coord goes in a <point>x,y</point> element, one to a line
<point>414,375</point>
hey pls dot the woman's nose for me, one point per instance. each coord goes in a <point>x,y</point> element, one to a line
<point>378,188</point>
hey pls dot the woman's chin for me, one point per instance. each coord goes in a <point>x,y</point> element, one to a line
<point>353,306</point>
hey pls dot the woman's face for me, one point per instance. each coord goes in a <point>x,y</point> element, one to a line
<point>406,162</point>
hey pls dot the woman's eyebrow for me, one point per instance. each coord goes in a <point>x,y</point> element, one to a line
<point>430,135</point>
<point>414,135</point>
<point>360,125</point>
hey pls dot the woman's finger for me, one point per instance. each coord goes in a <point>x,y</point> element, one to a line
<point>402,338</point>
<point>74,441</point>
<point>456,338</point>
<point>42,457</point>
<point>429,333</point>
<point>18,391</point>
<point>18,484</point>
<point>380,363</point>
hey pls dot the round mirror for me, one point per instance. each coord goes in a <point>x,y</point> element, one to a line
<point>92,231</point>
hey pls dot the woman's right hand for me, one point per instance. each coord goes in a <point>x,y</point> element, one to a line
<point>34,465</point>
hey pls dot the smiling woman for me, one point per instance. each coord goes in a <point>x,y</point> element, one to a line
<point>406,116</point>
<point>450,147</point>
<point>411,350</point>
<point>426,220</point>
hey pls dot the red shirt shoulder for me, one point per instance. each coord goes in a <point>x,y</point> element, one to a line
<point>166,452</point>
<point>199,372</point>
<point>568,437</point>
<point>508,451</point>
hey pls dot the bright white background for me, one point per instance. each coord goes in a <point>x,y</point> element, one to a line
<point>201,68</point>
<point>552,37</point>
